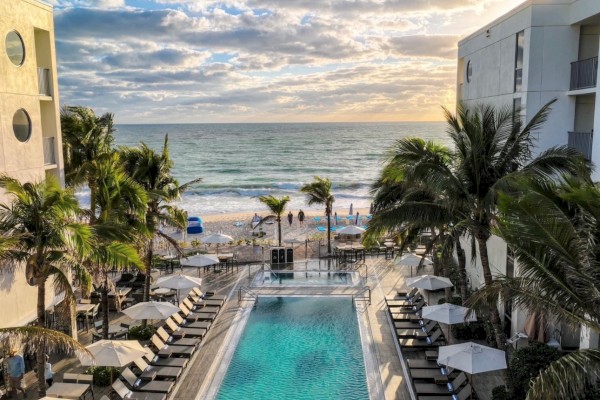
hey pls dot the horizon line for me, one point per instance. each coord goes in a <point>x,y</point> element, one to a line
<point>279,123</point>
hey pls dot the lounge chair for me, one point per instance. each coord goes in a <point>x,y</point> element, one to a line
<point>151,372</point>
<point>406,307</point>
<point>463,394</point>
<point>203,306</point>
<point>393,303</point>
<point>419,333</point>
<point>404,295</point>
<point>447,389</point>
<point>422,364</point>
<point>214,296</point>
<point>165,350</point>
<point>407,317</point>
<point>199,316</point>
<point>168,339</point>
<point>429,375</point>
<point>146,386</point>
<point>410,324</point>
<point>436,339</point>
<point>124,393</point>
<point>191,329</point>
<point>153,359</point>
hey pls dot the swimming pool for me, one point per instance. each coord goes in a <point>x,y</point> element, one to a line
<point>298,348</point>
<point>284,278</point>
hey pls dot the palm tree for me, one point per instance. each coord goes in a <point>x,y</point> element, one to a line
<point>86,139</point>
<point>277,207</point>
<point>45,240</point>
<point>319,192</point>
<point>492,150</point>
<point>553,230</point>
<point>153,172</point>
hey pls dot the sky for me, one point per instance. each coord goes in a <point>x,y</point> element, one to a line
<point>197,61</point>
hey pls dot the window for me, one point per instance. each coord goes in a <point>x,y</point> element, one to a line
<point>22,125</point>
<point>469,70</point>
<point>520,42</point>
<point>15,48</point>
<point>516,111</point>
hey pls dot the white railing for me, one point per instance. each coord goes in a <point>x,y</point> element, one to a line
<point>584,73</point>
<point>44,82</point>
<point>582,142</point>
<point>49,154</point>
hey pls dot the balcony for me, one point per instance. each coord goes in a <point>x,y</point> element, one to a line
<point>44,82</point>
<point>49,155</point>
<point>582,142</point>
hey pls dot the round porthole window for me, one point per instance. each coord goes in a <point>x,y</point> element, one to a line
<point>22,125</point>
<point>15,48</point>
<point>469,71</point>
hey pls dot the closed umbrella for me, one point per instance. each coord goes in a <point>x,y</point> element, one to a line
<point>448,314</point>
<point>429,282</point>
<point>151,310</point>
<point>472,358</point>
<point>178,282</point>
<point>413,260</point>
<point>217,238</point>
<point>200,260</point>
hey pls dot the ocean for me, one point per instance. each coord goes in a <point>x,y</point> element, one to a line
<point>239,162</point>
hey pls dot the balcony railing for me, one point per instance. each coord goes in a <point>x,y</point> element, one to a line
<point>582,142</point>
<point>584,73</point>
<point>49,155</point>
<point>44,82</point>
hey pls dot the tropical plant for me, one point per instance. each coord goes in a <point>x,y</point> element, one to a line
<point>554,231</point>
<point>319,192</point>
<point>86,139</point>
<point>277,207</point>
<point>153,172</point>
<point>492,150</point>
<point>45,240</point>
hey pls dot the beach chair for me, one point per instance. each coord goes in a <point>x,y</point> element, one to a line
<point>191,328</point>
<point>436,339</point>
<point>168,339</point>
<point>209,315</point>
<point>463,394</point>
<point>153,359</point>
<point>406,317</point>
<point>404,295</point>
<point>419,332</point>
<point>404,303</point>
<point>410,324</point>
<point>422,364</point>
<point>214,296</point>
<point>146,386</point>
<point>447,389</point>
<point>407,307</point>
<point>433,375</point>
<point>124,393</point>
<point>165,350</point>
<point>151,372</point>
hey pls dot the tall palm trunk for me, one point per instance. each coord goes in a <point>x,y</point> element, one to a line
<point>482,239</point>
<point>279,229</point>
<point>105,308</point>
<point>40,357</point>
<point>148,272</point>
<point>328,212</point>
<point>93,204</point>
<point>462,269</point>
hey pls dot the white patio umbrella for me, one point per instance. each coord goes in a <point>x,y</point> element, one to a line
<point>448,314</point>
<point>429,282</point>
<point>351,230</point>
<point>151,310</point>
<point>217,238</point>
<point>178,282</point>
<point>113,353</point>
<point>472,358</point>
<point>200,260</point>
<point>413,260</point>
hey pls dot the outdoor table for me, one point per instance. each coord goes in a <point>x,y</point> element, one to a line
<point>121,291</point>
<point>68,390</point>
<point>162,293</point>
<point>224,258</point>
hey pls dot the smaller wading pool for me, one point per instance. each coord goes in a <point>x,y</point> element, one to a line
<point>291,278</point>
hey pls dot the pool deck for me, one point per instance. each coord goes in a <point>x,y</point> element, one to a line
<point>382,280</point>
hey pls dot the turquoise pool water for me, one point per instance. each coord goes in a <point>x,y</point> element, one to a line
<point>298,348</point>
<point>304,278</point>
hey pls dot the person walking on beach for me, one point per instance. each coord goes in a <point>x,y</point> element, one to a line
<point>290,218</point>
<point>16,370</point>
<point>48,373</point>
<point>301,217</point>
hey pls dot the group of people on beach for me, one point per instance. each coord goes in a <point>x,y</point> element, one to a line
<point>301,216</point>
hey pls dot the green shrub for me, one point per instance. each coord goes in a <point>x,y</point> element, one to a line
<point>457,300</point>
<point>471,331</point>
<point>501,393</point>
<point>102,375</point>
<point>526,364</point>
<point>140,333</point>
<point>591,393</point>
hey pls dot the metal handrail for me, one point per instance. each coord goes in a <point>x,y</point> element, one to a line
<point>582,142</point>
<point>584,73</point>
<point>247,291</point>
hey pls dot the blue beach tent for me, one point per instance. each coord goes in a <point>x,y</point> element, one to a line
<point>195,225</point>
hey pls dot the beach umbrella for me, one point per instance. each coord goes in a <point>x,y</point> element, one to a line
<point>200,260</point>
<point>217,238</point>
<point>151,310</point>
<point>448,314</point>
<point>429,283</point>
<point>351,230</point>
<point>413,260</point>
<point>178,282</point>
<point>113,353</point>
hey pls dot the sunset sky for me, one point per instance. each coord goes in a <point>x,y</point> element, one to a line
<point>169,61</point>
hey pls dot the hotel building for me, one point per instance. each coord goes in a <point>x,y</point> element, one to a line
<point>30,137</point>
<point>539,51</point>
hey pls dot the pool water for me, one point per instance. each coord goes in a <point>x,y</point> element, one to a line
<point>298,348</point>
<point>303,278</point>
